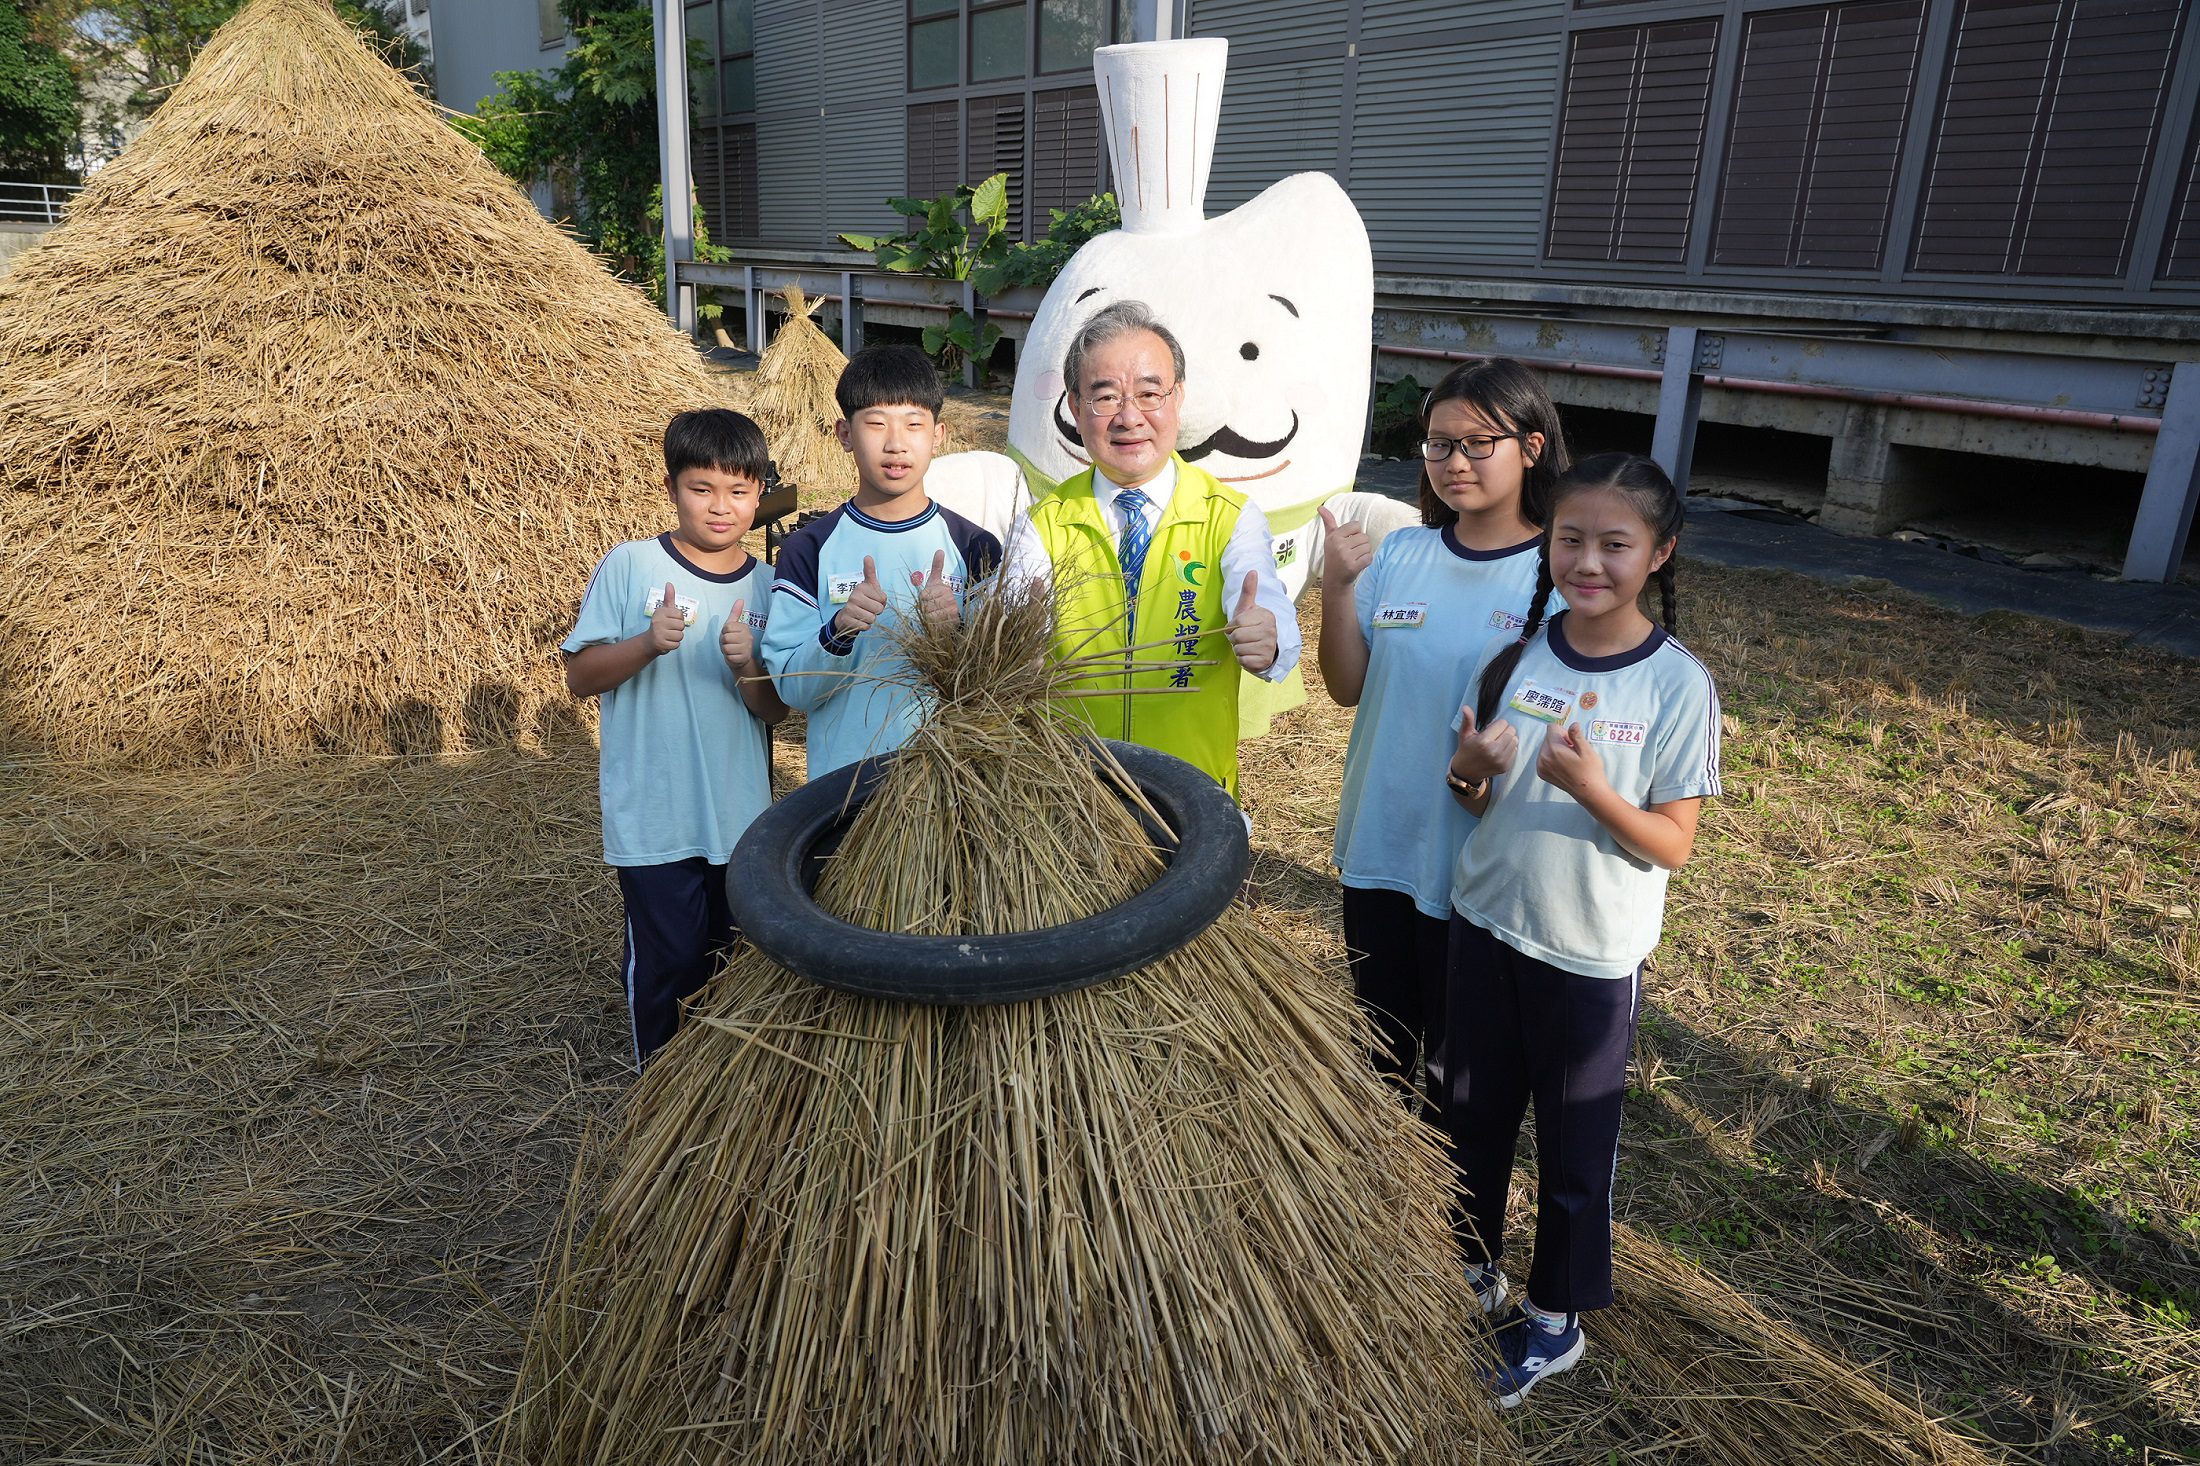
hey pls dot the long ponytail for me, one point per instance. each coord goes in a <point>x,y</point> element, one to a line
<point>1491,690</point>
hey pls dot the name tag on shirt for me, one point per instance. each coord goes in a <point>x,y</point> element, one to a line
<point>1539,701</point>
<point>1506,621</point>
<point>755,619</point>
<point>688,605</point>
<point>840,587</point>
<point>1405,613</point>
<point>1608,730</point>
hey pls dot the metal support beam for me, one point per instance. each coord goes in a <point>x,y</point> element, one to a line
<point>672,154</point>
<point>2173,484</point>
<point>851,313</point>
<point>1680,400</point>
<point>752,309</point>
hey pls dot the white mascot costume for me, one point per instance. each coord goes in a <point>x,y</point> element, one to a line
<point>1273,303</point>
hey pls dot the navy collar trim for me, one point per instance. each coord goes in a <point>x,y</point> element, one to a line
<point>715,577</point>
<point>1565,652</point>
<point>1450,536</point>
<point>892,526</point>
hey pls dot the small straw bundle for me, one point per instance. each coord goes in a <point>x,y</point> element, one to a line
<point>311,428</point>
<point>1171,1218</point>
<point>1757,1388</point>
<point>795,379</point>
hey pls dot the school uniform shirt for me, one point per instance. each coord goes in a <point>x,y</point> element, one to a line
<point>1538,871</point>
<point>684,764</point>
<point>1427,605</point>
<point>845,684</point>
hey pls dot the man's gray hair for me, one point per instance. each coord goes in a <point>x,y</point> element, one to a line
<point>1104,325</point>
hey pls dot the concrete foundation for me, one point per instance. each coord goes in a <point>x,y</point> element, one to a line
<point>15,238</point>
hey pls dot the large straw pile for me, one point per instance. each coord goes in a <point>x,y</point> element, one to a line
<point>311,428</point>
<point>795,406</point>
<point>1172,1218</point>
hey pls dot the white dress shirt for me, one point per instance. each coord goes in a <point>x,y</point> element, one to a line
<point>1251,549</point>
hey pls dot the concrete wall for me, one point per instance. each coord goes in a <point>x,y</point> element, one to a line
<point>15,238</point>
<point>475,39</point>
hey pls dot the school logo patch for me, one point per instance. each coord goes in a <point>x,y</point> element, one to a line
<point>1506,621</point>
<point>1609,730</point>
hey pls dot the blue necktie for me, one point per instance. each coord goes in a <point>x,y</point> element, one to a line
<point>1130,551</point>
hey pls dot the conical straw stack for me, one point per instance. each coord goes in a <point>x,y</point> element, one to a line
<point>795,379</point>
<point>1170,1218</point>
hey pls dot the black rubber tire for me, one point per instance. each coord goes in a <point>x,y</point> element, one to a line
<point>777,861</point>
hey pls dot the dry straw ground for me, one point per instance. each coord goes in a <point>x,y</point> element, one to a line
<point>293,1066</point>
<point>286,460</point>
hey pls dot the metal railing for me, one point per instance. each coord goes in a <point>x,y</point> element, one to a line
<point>36,203</point>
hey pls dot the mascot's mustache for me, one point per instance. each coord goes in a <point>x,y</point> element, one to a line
<point>1221,440</point>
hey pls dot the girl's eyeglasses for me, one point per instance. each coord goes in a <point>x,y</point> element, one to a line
<point>1436,450</point>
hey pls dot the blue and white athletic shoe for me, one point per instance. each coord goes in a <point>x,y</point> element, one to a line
<point>1531,1354</point>
<point>1491,1290</point>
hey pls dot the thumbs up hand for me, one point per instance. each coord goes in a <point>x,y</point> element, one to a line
<point>1568,762</point>
<point>1345,553</point>
<point>866,603</point>
<point>667,624</point>
<point>1483,753</point>
<point>936,602</point>
<point>1252,628</point>
<point>737,643</point>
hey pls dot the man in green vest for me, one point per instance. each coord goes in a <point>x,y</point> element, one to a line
<point>1158,566</point>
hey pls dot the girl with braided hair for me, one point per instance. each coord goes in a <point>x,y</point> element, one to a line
<point>1586,748</point>
<point>1399,621</point>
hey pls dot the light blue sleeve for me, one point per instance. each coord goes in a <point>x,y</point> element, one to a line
<point>1684,763</point>
<point>793,653</point>
<point>604,604</point>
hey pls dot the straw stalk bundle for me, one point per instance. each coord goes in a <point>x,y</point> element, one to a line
<point>795,406</point>
<point>311,428</point>
<point>1170,1218</point>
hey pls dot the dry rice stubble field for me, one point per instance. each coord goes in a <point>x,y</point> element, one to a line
<point>293,1063</point>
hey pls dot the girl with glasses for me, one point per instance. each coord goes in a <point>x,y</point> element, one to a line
<point>1400,626</point>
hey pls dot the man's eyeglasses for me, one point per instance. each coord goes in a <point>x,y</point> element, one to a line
<point>1436,450</point>
<point>1108,404</point>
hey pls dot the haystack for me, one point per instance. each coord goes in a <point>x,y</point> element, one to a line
<point>1169,1218</point>
<point>794,402</point>
<point>311,428</point>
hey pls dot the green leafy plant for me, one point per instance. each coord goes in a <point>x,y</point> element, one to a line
<point>1039,262</point>
<point>1397,410</point>
<point>956,235</point>
<point>591,127</point>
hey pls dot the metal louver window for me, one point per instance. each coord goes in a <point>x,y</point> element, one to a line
<point>935,148</point>
<point>1065,151</point>
<point>2181,249</point>
<point>1820,106</point>
<point>2046,129</point>
<point>705,160</point>
<point>722,157</point>
<point>1631,141</point>
<point>997,146</point>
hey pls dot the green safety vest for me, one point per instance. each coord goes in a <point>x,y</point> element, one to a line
<point>1182,603</point>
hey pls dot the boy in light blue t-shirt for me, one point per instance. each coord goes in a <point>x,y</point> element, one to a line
<point>668,639</point>
<point>844,581</point>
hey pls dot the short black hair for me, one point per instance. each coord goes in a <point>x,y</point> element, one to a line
<point>889,376</point>
<point>718,438</point>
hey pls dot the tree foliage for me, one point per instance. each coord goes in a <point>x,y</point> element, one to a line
<point>591,128</point>
<point>38,102</point>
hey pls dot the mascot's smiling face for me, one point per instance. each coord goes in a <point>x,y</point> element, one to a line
<point>1273,304</point>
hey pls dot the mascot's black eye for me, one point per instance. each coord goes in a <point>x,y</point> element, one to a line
<point>1249,351</point>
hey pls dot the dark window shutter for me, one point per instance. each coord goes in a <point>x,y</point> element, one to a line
<point>737,142</point>
<point>2046,130</point>
<point>935,149</point>
<point>2181,249</point>
<point>1630,142</point>
<point>1819,109</point>
<point>710,190</point>
<point>997,146</point>
<point>1065,151</point>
